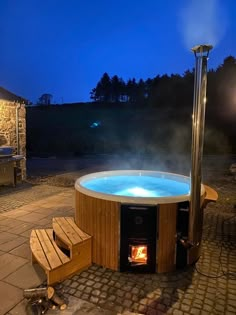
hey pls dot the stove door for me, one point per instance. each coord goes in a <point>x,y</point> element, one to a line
<point>138,238</point>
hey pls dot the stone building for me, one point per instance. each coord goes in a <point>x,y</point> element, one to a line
<point>13,125</point>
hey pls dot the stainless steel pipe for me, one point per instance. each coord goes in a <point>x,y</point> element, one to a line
<point>201,53</point>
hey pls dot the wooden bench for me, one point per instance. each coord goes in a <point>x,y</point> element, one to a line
<point>46,252</point>
<point>210,195</point>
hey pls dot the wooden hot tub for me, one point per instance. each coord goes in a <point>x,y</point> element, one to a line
<point>98,213</point>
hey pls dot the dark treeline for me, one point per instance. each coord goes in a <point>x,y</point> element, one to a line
<point>174,91</point>
<point>160,90</point>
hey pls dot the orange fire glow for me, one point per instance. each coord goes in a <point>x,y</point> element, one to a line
<point>139,254</point>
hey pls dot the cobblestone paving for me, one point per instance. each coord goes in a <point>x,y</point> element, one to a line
<point>207,288</point>
<point>12,198</point>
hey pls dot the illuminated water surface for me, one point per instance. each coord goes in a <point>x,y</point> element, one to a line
<point>138,186</point>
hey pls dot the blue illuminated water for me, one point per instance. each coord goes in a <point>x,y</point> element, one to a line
<point>138,186</point>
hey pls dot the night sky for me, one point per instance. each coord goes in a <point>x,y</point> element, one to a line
<point>63,47</point>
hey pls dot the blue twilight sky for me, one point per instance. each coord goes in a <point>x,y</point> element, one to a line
<point>63,47</point>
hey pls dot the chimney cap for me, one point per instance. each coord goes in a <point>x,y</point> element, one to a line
<point>202,48</point>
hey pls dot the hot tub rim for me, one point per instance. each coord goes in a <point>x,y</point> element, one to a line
<point>129,199</point>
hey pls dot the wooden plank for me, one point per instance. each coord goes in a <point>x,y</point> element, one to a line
<point>83,236</point>
<point>69,231</point>
<point>94,227</point>
<point>100,218</point>
<point>79,263</point>
<point>64,259</point>
<point>211,194</point>
<point>104,235</point>
<point>115,213</point>
<point>167,237</point>
<point>38,251</point>
<point>52,256</point>
<point>60,232</point>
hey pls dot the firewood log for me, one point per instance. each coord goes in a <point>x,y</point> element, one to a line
<point>35,293</point>
<point>56,299</point>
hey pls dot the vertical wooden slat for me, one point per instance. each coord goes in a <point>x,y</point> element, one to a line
<point>99,218</point>
<point>167,237</point>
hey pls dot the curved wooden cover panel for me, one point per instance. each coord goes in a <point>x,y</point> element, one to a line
<point>101,219</point>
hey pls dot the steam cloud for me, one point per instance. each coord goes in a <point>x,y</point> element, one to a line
<point>203,22</point>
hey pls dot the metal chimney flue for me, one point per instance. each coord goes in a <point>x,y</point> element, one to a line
<point>201,53</point>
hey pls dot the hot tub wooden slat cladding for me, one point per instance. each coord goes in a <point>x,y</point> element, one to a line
<point>115,214</point>
<point>100,218</point>
<point>167,241</point>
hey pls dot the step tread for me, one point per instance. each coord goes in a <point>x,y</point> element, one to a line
<point>67,230</point>
<point>45,250</point>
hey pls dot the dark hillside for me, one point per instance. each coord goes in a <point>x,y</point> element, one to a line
<point>72,130</point>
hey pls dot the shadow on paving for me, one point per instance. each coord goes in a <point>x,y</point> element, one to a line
<point>140,293</point>
<point>8,190</point>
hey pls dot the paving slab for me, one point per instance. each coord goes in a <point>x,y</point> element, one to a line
<point>10,223</point>
<point>10,263</point>
<point>22,250</point>
<point>22,227</point>
<point>19,309</point>
<point>6,237</point>
<point>9,245</point>
<point>10,296</point>
<point>27,276</point>
<point>15,213</point>
<point>32,217</point>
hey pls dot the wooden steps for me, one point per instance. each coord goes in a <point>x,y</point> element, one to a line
<point>47,249</point>
<point>210,195</point>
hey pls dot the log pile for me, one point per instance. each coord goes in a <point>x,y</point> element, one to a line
<point>42,299</point>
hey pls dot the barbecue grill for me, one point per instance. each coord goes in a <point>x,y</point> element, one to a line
<point>10,168</point>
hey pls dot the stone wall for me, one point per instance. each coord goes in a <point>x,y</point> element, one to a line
<point>9,111</point>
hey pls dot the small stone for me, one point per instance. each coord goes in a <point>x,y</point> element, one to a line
<point>90,283</point>
<point>94,299</point>
<point>185,307</point>
<point>112,298</point>
<point>135,290</point>
<point>207,307</point>
<point>81,287</point>
<point>96,292</point>
<point>88,290</point>
<point>127,303</point>
<point>72,291</point>
<point>103,295</point>
<point>85,296</point>
<point>97,285</point>
<point>74,284</point>
<point>195,311</point>
<point>186,301</point>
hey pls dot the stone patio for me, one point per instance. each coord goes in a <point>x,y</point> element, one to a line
<point>207,288</point>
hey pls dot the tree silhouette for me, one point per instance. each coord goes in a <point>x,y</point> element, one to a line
<point>170,92</point>
<point>45,99</point>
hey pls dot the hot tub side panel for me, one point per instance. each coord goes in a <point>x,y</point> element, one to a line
<point>100,219</point>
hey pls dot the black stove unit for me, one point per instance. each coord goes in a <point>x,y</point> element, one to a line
<point>138,238</point>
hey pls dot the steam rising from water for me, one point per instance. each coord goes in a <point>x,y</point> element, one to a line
<point>203,22</point>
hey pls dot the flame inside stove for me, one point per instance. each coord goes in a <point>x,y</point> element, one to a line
<point>139,254</point>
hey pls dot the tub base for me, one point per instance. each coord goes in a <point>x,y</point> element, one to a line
<point>101,219</point>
